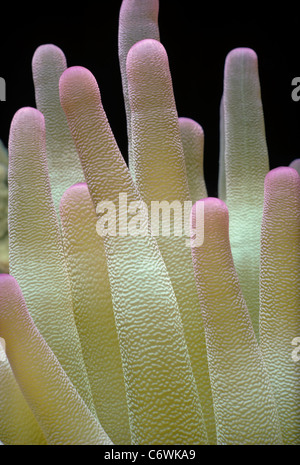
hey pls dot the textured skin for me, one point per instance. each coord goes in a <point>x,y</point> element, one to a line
<point>3,210</point>
<point>93,309</point>
<point>162,396</point>
<point>138,20</point>
<point>3,201</point>
<point>296,165</point>
<point>246,165</point>
<point>154,123</point>
<point>48,64</point>
<point>35,246</point>
<point>18,425</point>
<point>280,294</point>
<point>192,138</point>
<point>244,405</point>
<point>60,411</point>
<point>161,175</point>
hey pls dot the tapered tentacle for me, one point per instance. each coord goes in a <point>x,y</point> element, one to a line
<point>244,406</point>
<point>192,138</point>
<point>93,309</point>
<point>138,20</point>
<point>61,413</point>
<point>155,130</point>
<point>35,246</point>
<point>18,426</point>
<point>48,64</point>
<point>246,165</point>
<point>161,176</point>
<point>162,397</point>
<point>280,295</point>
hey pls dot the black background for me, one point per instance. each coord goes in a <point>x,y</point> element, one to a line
<point>197,41</point>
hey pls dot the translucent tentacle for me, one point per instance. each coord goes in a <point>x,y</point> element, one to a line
<point>138,20</point>
<point>93,309</point>
<point>60,411</point>
<point>18,425</point>
<point>246,165</point>
<point>244,406</point>
<point>48,64</point>
<point>280,295</point>
<point>161,176</point>
<point>192,138</point>
<point>35,246</point>
<point>162,397</point>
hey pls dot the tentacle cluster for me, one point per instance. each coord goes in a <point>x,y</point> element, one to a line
<point>145,338</point>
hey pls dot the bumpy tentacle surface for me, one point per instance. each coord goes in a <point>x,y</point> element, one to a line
<point>154,123</point>
<point>161,176</point>
<point>192,138</point>
<point>3,209</point>
<point>48,64</point>
<point>162,396</point>
<point>120,338</point>
<point>18,425</point>
<point>244,405</point>
<point>63,416</point>
<point>138,20</point>
<point>3,200</point>
<point>280,295</point>
<point>246,165</point>
<point>35,246</point>
<point>93,309</point>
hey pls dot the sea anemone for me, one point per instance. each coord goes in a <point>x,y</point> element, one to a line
<point>132,337</point>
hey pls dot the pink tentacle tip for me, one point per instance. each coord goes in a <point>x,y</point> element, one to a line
<point>28,112</point>
<point>7,281</point>
<point>47,51</point>
<point>211,205</point>
<point>26,121</point>
<point>75,188</point>
<point>76,84</point>
<point>145,48</point>
<point>281,175</point>
<point>240,52</point>
<point>213,212</point>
